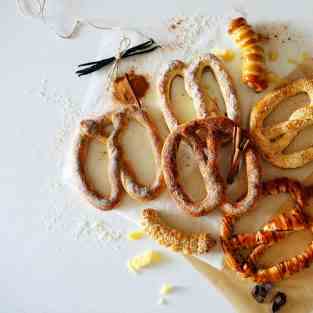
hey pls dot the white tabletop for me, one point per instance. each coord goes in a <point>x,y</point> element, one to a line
<point>44,266</point>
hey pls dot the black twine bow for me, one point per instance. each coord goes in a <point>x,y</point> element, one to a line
<point>91,67</point>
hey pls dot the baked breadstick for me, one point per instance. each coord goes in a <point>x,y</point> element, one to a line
<point>254,73</point>
<point>172,238</point>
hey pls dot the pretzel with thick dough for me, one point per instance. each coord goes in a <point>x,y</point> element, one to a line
<point>158,230</point>
<point>120,172</point>
<point>254,73</point>
<point>206,154</point>
<point>273,140</point>
<point>205,106</point>
<point>275,230</point>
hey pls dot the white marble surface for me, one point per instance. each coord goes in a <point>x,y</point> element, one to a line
<point>43,267</point>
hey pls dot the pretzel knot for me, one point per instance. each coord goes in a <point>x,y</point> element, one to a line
<point>206,153</point>
<point>273,140</point>
<point>273,231</point>
<point>205,106</point>
<point>120,173</point>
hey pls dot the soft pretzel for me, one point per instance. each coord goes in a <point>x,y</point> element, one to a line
<point>120,172</point>
<point>273,140</point>
<point>254,73</point>
<point>276,229</point>
<point>207,155</point>
<point>157,229</point>
<point>205,106</point>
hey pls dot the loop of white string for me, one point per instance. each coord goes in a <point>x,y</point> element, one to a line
<point>113,72</point>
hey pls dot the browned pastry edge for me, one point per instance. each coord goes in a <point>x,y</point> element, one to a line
<point>254,73</point>
<point>158,230</point>
<point>120,172</point>
<point>217,129</point>
<point>273,140</point>
<point>276,229</point>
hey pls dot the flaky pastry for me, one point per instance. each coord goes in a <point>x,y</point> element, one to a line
<point>254,73</point>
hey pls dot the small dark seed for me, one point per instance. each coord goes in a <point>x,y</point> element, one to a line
<point>259,292</point>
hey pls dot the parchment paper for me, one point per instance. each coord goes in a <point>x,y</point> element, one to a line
<point>98,101</point>
<point>298,287</point>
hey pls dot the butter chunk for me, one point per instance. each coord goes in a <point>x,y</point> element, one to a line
<point>135,235</point>
<point>166,289</point>
<point>148,258</point>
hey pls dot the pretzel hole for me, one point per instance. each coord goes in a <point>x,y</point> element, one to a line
<point>182,105</point>
<point>266,207</point>
<point>285,108</point>
<point>212,89</point>
<point>302,141</point>
<point>294,244</point>
<point>189,176</point>
<point>137,152</point>
<point>96,167</point>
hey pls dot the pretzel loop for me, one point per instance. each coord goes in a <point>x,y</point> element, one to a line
<point>273,231</point>
<point>272,141</point>
<point>204,105</point>
<point>206,154</point>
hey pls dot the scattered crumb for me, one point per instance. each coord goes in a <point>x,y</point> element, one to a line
<point>166,289</point>
<point>162,301</point>
<point>148,258</point>
<point>272,56</point>
<point>226,55</point>
<point>135,235</point>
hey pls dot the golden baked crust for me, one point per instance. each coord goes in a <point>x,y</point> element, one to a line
<point>205,106</point>
<point>121,175</point>
<point>276,229</point>
<point>206,153</point>
<point>254,73</point>
<point>158,230</point>
<point>273,140</point>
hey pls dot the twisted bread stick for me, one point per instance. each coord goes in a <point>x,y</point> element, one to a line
<point>253,65</point>
<point>172,238</point>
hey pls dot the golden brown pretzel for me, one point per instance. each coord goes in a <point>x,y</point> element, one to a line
<point>278,228</point>
<point>206,154</point>
<point>205,106</point>
<point>254,73</point>
<point>273,140</point>
<point>157,229</point>
<point>120,172</point>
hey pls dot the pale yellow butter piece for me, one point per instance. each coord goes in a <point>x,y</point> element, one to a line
<point>166,289</point>
<point>292,61</point>
<point>226,55</point>
<point>135,235</point>
<point>148,258</point>
<point>305,56</point>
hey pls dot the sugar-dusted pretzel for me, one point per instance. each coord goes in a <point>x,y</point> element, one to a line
<point>206,153</point>
<point>205,106</point>
<point>191,244</point>
<point>96,129</point>
<point>273,140</point>
<point>278,228</point>
<point>254,73</point>
<point>120,172</point>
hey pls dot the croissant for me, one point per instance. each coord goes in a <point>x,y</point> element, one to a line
<point>254,73</point>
